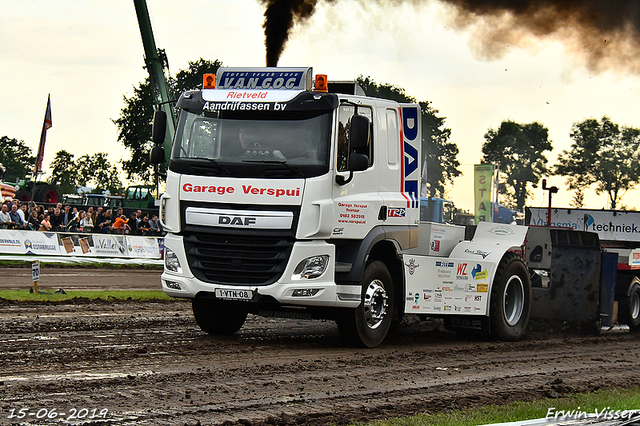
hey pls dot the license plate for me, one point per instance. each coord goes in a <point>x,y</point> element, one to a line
<point>228,294</point>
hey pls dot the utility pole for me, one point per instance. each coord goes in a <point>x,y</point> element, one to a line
<point>552,190</point>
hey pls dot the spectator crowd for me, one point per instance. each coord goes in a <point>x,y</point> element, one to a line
<point>30,216</point>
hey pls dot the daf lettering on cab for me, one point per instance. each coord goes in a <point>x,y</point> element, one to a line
<point>286,198</point>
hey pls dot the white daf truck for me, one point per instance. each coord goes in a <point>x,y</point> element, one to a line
<point>287,195</point>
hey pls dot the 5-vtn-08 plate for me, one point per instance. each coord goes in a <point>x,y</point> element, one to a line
<point>231,294</point>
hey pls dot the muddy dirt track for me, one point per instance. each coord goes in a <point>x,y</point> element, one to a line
<point>147,363</point>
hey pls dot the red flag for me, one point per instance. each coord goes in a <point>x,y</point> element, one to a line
<point>43,137</point>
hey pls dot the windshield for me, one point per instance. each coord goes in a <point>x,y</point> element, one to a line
<point>249,143</point>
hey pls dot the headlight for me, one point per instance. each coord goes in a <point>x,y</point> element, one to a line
<point>311,267</point>
<point>171,261</point>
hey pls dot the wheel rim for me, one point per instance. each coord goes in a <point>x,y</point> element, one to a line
<point>51,197</point>
<point>375,304</point>
<point>513,300</point>
<point>635,305</point>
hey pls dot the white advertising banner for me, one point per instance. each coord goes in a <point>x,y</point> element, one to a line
<point>28,242</point>
<point>143,247</point>
<point>610,225</point>
<point>109,245</point>
<point>101,245</point>
<point>72,244</point>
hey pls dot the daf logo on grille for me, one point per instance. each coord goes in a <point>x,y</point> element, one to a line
<point>236,220</point>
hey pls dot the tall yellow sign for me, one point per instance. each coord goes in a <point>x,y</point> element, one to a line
<point>483,185</point>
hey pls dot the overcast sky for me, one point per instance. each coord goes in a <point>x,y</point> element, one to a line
<point>88,54</point>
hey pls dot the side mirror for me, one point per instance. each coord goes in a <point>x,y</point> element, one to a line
<point>156,155</point>
<point>159,128</point>
<point>358,162</point>
<point>359,134</point>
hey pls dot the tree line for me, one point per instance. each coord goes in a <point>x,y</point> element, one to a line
<point>67,172</point>
<point>602,153</point>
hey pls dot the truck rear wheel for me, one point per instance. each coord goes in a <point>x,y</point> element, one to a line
<point>510,305</point>
<point>218,317</point>
<point>629,308</point>
<point>368,324</point>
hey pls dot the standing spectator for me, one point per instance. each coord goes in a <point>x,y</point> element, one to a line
<point>57,220</point>
<point>34,221</point>
<point>91,215</point>
<point>22,212</point>
<point>66,216</point>
<point>104,222</point>
<point>86,223</point>
<point>15,217</point>
<point>144,227</point>
<point>97,218</point>
<point>138,217</point>
<point>120,224</point>
<point>40,210</point>
<point>45,225</point>
<point>156,228</point>
<point>5,218</point>
<point>133,224</point>
<point>73,224</point>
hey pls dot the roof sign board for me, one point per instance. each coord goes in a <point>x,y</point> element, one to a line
<point>264,78</point>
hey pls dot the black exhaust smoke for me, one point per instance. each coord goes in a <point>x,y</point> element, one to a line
<point>606,33</point>
<point>279,18</point>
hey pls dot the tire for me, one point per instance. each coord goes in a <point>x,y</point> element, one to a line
<point>218,317</point>
<point>368,324</point>
<point>510,304</point>
<point>629,308</point>
<point>23,195</point>
<point>46,194</point>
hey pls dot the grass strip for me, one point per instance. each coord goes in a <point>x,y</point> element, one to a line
<point>26,296</point>
<point>78,265</point>
<point>609,402</point>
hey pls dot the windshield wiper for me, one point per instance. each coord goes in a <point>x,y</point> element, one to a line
<point>278,162</point>
<point>211,161</point>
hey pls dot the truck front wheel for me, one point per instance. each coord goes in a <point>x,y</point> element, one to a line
<point>218,317</point>
<point>368,324</point>
<point>629,308</point>
<point>510,305</point>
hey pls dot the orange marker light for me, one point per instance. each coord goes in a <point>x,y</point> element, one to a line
<point>321,83</point>
<point>209,81</point>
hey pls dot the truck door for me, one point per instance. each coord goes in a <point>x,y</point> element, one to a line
<point>357,202</point>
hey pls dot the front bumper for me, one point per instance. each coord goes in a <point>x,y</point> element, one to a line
<point>326,293</point>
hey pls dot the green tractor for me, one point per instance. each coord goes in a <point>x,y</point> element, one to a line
<point>40,192</point>
<point>140,197</point>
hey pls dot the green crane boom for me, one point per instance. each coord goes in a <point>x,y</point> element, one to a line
<point>156,60</point>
